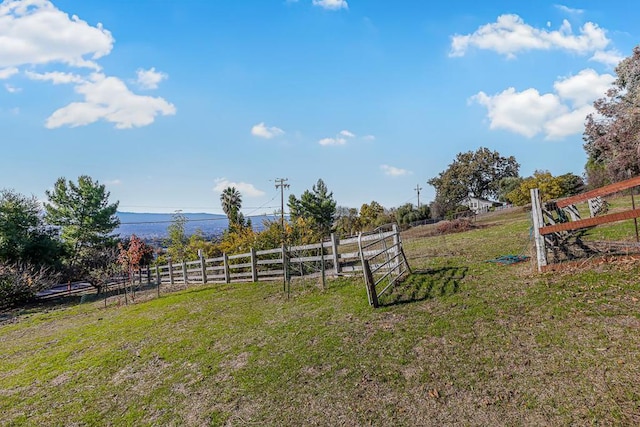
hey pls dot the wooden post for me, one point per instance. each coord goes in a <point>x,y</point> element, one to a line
<point>322,268</point>
<point>158,279</point>
<point>184,272</point>
<point>170,271</point>
<point>371,287</point>
<point>336,258</point>
<point>285,267</point>
<point>396,246</point>
<point>536,214</point>
<point>254,266</point>
<point>203,266</point>
<point>227,274</point>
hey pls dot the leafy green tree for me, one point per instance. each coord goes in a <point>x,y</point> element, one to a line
<point>23,236</point>
<point>197,242</point>
<point>370,215</point>
<point>612,133</point>
<point>347,221</point>
<point>316,206</point>
<point>550,188</point>
<point>83,213</point>
<point>177,241</point>
<point>408,213</point>
<point>571,184</point>
<point>474,174</point>
<point>507,185</point>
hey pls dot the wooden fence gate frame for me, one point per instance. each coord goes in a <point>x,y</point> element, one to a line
<point>544,226</point>
<point>382,263</point>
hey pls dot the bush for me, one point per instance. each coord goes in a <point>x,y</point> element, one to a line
<point>454,226</point>
<point>21,282</point>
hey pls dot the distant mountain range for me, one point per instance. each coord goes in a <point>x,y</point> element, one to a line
<point>154,225</point>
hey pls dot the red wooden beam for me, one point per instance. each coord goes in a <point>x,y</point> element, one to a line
<point>590,222</point>
<point>602,191</point>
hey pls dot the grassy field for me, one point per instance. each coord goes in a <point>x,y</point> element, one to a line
<point>462,341</point>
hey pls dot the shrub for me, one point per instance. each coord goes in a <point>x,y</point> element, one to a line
<point>21,282</point>
<point>454,226</point>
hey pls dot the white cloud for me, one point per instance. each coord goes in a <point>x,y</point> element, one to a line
<point>8,72</point>
<point>108,98</point>
<point>393,171</point>
<point>523,112</point>
<point>340,139</point>
<point>113,182</point>
<point>55,77</point>
<point>331,4</point>
<point>332,141</point>
<point>12,89</point>
<point>149,79</point>
<point>510,35</point>
<point>36,32</point>
<point>609,57</point>
<point>369,138</point>
<point>555,115</point>
<point>583,88</point>
<point>244,188</point>
<point>570,123</point>
<point>262,131</point>
<point>569,10</point>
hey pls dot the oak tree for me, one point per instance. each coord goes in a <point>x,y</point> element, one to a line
<point>612,133</point>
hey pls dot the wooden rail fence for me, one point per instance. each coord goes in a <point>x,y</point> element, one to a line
<point>334,257</point>
<point>549,229</point>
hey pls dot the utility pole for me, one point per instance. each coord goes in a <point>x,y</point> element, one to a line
<point>281,184</point>
<point>418,188</point>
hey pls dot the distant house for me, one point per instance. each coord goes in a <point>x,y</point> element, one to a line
<point>479,205</point>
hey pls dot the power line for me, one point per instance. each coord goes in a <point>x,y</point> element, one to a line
<point>418,188</point>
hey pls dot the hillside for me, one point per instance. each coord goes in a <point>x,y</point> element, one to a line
<point>154,225</point>
<point>462,341</point>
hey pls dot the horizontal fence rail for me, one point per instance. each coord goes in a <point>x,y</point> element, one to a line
<point>334,257</point>
<point>554,222</point>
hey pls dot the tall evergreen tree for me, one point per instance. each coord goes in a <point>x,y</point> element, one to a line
<point>83,213</point>
<point>316,205</point>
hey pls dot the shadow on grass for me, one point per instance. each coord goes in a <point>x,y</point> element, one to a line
<point>424,284</point>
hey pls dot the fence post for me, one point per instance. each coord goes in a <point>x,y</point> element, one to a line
<point>396,245</point>
<point>170,271</point>
<point>227,274</point>
<point>285,268</point>
<point>538,222</point>
<point>336,258</point>
<point>371,286</point>
<point>184,272</point>
<point>158,278</point>
<point>322,266</point>
<point>203,266</point>
<point>254,266</point>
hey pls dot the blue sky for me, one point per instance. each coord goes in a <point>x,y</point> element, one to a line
<point>168,102</point>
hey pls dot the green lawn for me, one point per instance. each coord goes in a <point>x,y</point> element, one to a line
<point>461,342</point>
